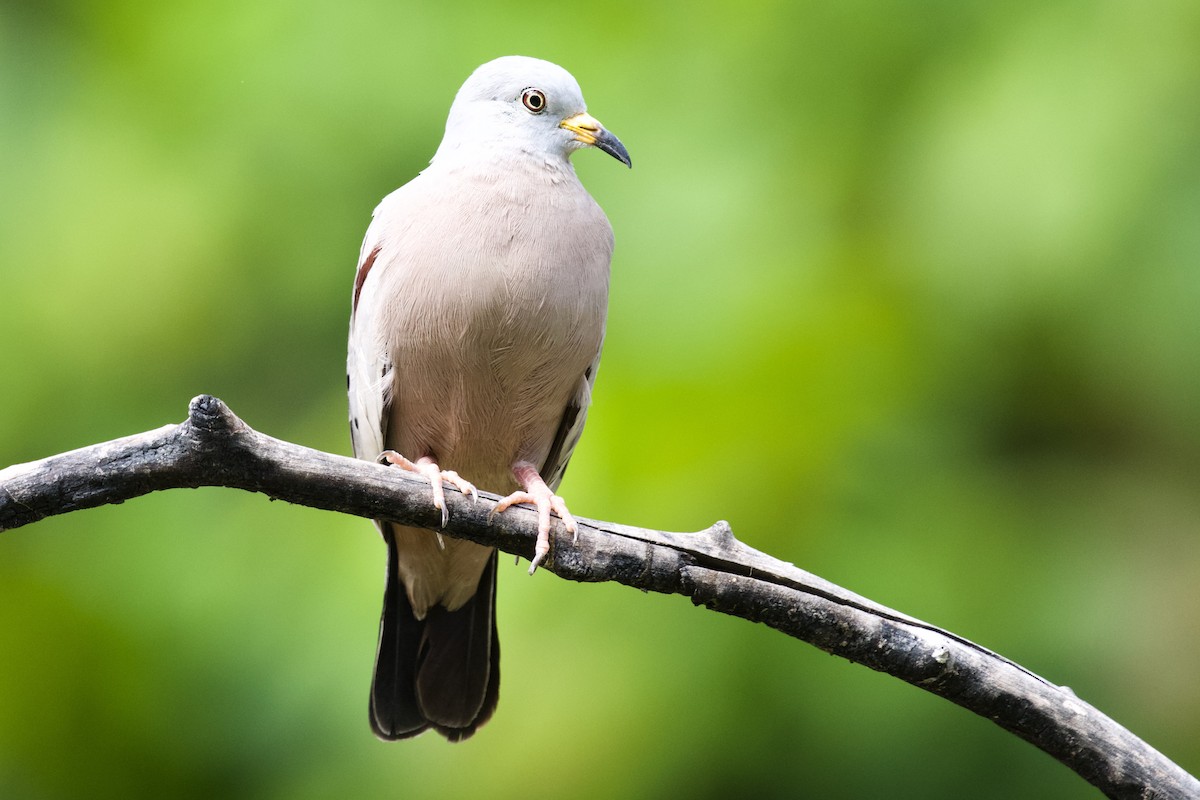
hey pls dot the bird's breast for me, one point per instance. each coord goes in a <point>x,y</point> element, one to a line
<point>490,332</point>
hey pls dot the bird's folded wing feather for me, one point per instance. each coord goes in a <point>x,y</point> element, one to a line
<point>368,366</point>
<point>570,428</point>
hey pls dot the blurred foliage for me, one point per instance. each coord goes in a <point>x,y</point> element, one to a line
<point>905,291</point>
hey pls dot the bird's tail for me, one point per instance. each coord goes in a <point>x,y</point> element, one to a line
<point>442,672</point>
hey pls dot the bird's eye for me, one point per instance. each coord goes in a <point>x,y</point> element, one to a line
<point>534,100</point>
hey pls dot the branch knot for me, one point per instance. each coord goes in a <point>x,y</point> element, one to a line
<point>208,416</point>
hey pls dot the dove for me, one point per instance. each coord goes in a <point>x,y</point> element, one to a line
<point>478,315</point>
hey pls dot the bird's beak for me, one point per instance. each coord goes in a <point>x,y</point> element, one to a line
<point>587,129</point>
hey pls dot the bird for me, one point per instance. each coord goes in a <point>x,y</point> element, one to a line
<point>477,319</point>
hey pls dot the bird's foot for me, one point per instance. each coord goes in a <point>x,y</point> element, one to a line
<point>537,494</point>
<point>435,475</point>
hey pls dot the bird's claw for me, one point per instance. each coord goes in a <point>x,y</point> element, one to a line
<point>544,502</point>
<point>436,476</point>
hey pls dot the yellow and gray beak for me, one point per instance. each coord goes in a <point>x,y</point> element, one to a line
<point>587,129</point>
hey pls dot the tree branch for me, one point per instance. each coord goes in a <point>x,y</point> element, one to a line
<point>213,447</point>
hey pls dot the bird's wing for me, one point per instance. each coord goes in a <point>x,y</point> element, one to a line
<point>570,428</point>
<point>368,365</point>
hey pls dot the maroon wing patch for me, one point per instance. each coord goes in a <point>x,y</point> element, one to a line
<point>361,277</point>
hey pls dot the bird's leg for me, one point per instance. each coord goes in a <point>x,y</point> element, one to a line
<point>425,465</point>
<point>535,492</point>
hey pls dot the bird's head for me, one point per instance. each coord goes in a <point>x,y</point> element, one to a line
<point>526,105</point>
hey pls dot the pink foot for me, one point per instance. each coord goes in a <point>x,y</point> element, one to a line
<point>537,494</point>
<point>434,474</point>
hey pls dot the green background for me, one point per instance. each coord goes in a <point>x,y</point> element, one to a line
<point>907,292</point>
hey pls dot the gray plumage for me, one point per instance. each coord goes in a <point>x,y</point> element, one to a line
<point>478,318</point>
